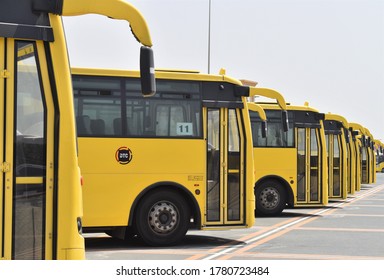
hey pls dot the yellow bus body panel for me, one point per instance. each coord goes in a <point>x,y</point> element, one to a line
<point>110,188</point>
<point>380,167</point>
<point>69,173</point>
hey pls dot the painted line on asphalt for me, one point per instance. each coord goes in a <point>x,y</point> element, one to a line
<point>269,235</point>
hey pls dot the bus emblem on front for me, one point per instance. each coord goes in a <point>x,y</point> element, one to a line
<point>123,155</point>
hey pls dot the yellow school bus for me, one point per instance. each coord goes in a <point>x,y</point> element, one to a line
<point>338,157</point>
<point>356,146</point>
<point>379,156</point>
<point>291,165</point>
<point>40,189</point>
<point>156,167</point>
<point>372,157</point>
<point>351,161</point>
<point>367,160</point>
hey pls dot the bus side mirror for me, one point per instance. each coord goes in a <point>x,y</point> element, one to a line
<point>284,119</point>
<point>264,129</point>
<point>147,72</point>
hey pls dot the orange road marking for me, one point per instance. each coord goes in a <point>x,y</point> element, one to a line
<point>247,237</point>
<point>342,229</point>
<point>285,256</point>
<point>304,221</point>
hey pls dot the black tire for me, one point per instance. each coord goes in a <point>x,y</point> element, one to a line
<point>162,218</point>
<point>271,198</point>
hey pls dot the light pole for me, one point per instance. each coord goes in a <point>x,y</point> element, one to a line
<point>209,38</point>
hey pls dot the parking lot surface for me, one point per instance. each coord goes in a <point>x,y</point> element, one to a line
<point>351,229</point>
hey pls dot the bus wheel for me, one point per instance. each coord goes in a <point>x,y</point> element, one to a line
<point>162,218</point>
<point>270,198</point>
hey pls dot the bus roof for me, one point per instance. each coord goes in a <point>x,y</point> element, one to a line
<point>357,127</point>
<point>275,106</point>
<point>335,117</point>
<point>161,74</point>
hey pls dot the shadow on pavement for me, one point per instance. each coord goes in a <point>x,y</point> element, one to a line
<point>135,243</point>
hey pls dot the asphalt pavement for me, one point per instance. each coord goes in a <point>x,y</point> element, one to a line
<point>351,229</point>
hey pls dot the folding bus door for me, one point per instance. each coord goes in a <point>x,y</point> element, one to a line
<point>27,160</point>
<point>225,183</point>
<point>308,165</point>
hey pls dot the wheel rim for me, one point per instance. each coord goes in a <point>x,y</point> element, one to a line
<point>163,217</point>
<point>269,198</point>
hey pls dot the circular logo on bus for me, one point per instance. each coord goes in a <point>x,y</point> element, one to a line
<point>123,155</point>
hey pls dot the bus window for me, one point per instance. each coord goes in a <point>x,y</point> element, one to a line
<point>276,136</point>
<point>103,107</point>
<point>96,110</point>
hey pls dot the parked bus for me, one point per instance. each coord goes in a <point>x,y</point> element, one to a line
<point>40,191</point>
<point>367,156</point>
<point>372,157</point>
<point>291,166</point>
<point>351,161</point>
<point>379,156</point>
<point>337,138</point>
<point>356,146</point>
<point>156,167</point>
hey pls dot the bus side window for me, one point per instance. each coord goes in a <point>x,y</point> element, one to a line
<point>167,117</point>
<point>258,139</point>
<point>117,125</point>
<point>83,125</point>
<point>148,127</point>
<point>274,136</point>
<point>98,127</point>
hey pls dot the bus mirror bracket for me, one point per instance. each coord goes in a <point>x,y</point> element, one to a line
<point>147,72</point>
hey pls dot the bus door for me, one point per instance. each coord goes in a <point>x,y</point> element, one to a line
<point>358,161</point>
<point>335,176</point>
<point>309,166</point>
<point>26,184</point>
<point>351,158</point>
<point>364,164</point>
<point>225,184</point>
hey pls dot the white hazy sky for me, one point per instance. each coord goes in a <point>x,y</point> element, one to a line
<point>327,52</point>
